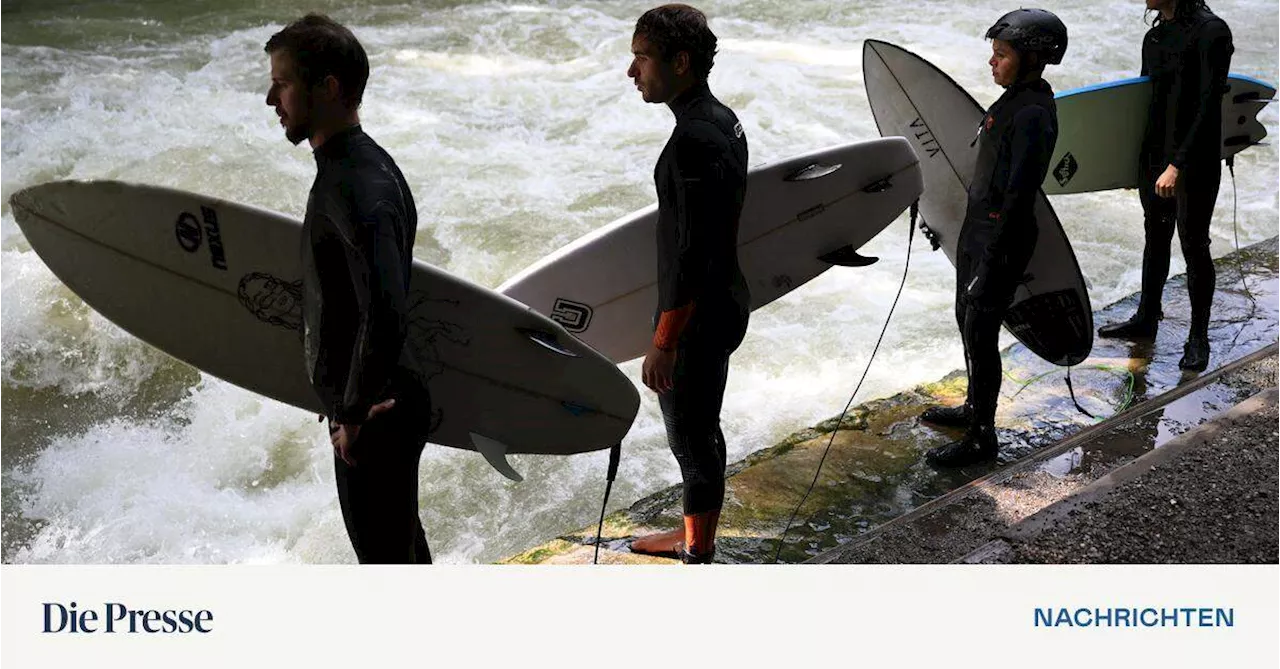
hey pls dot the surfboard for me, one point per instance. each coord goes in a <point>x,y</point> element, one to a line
<point>218,285</point>
<point>1100,131</point>
<point>800,217</point>
<point>910,97</point>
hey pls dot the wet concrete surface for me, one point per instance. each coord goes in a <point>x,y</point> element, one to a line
<point>1209,496</point>
<point>968,519</point>
<point>875,473</point>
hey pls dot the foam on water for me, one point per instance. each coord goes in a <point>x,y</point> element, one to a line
<point>518,132</point>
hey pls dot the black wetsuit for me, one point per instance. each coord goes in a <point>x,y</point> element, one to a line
<point>357,248</point>
<point>1188,60</point>
<point>1015,144</point>
<point>701,179</point>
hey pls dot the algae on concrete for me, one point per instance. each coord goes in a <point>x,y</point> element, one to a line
<point>875,472</point>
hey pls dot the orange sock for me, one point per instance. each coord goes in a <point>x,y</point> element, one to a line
<point>700,532</point>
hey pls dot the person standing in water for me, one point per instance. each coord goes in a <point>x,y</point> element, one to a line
<point>1187,54</point>
<point>357,248</point>
<point>703,300</point>
<point>1015,142</point>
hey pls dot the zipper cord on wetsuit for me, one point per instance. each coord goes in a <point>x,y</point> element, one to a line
<point>911,229</point>
<point>615,454</point>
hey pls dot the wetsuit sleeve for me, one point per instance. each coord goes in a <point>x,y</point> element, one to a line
<point>375,265</point>
<point>702,198</point>
<point>1031,146</point>
<point>1212,58</point>
<point>671,325</point>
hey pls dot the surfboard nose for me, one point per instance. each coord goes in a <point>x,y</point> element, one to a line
<point>50,200</point>
<point>24,201</point>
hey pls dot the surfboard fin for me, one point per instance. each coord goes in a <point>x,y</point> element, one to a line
<point>1251,96</point>
<point>547,341</point>
<point>929,234</point>
<point>847,256</point>
<point>878,186</point>
<point>1241,140</point>
<point>495,452</point>
<point>812,171</point>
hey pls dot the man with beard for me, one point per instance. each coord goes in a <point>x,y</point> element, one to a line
<point>357,248</point>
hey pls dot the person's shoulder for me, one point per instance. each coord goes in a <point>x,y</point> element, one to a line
<point>1211,25</point>
<point>366,152</point>
<point>710,124</point>
<point>374,177</point>
<point>1038,112</point>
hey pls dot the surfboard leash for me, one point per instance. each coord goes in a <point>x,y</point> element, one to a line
<point>1235,230</point>
<point>911,230</point>
<point>615,455</point>
<point>1072,391</point>
<point>1126,398</point>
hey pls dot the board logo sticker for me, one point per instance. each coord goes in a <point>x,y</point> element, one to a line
<point>187,230</point>
<point>578,410</point>
<point>272,299</point>
<point>925,137</point>
<point>575,317</point>
<point>1066,169</point>
<point>737,130</point>
<point>217,255</point>
<point>429,342</point>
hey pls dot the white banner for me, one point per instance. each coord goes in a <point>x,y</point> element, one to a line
<point>653,617</point>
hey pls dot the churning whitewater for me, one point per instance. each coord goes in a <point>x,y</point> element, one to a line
<point>518,131</point>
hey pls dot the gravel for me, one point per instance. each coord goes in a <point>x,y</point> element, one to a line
<point>1216,503</point>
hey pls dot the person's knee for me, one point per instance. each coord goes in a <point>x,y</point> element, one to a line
<point>1159,227</point>
<point>1195,244</point>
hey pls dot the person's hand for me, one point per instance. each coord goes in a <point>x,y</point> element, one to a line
<point>1168,182</point>
<point>658,369</point>
<point>343,437</point>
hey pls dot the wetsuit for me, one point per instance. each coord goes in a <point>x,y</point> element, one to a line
<point>1188,60</point>
<point>701,179</point>
<point>1015,144</point>
<point>357,248</point>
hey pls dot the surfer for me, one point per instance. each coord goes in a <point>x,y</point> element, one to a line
<point>1187,54</point>
<point>356,253</point>
<point>1015,141</point>
<point>703,300</point>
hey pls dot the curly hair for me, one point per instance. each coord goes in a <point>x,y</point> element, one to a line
<point>1181,10</point>
<point>676,28</point>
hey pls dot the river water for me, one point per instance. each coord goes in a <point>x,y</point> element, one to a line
<point>518,131</point>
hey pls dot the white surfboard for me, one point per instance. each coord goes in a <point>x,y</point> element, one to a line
<point>1100,131</point>
<point>218,285</point>
<point>910,97</point>
<point>800,216</point>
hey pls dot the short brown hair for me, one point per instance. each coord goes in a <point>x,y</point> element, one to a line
<point>321,47</point>
<point>676,28</point>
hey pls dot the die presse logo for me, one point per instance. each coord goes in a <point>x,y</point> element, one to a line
<point>116,618</point>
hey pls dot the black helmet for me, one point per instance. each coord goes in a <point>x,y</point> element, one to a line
<point>1033,30</point>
